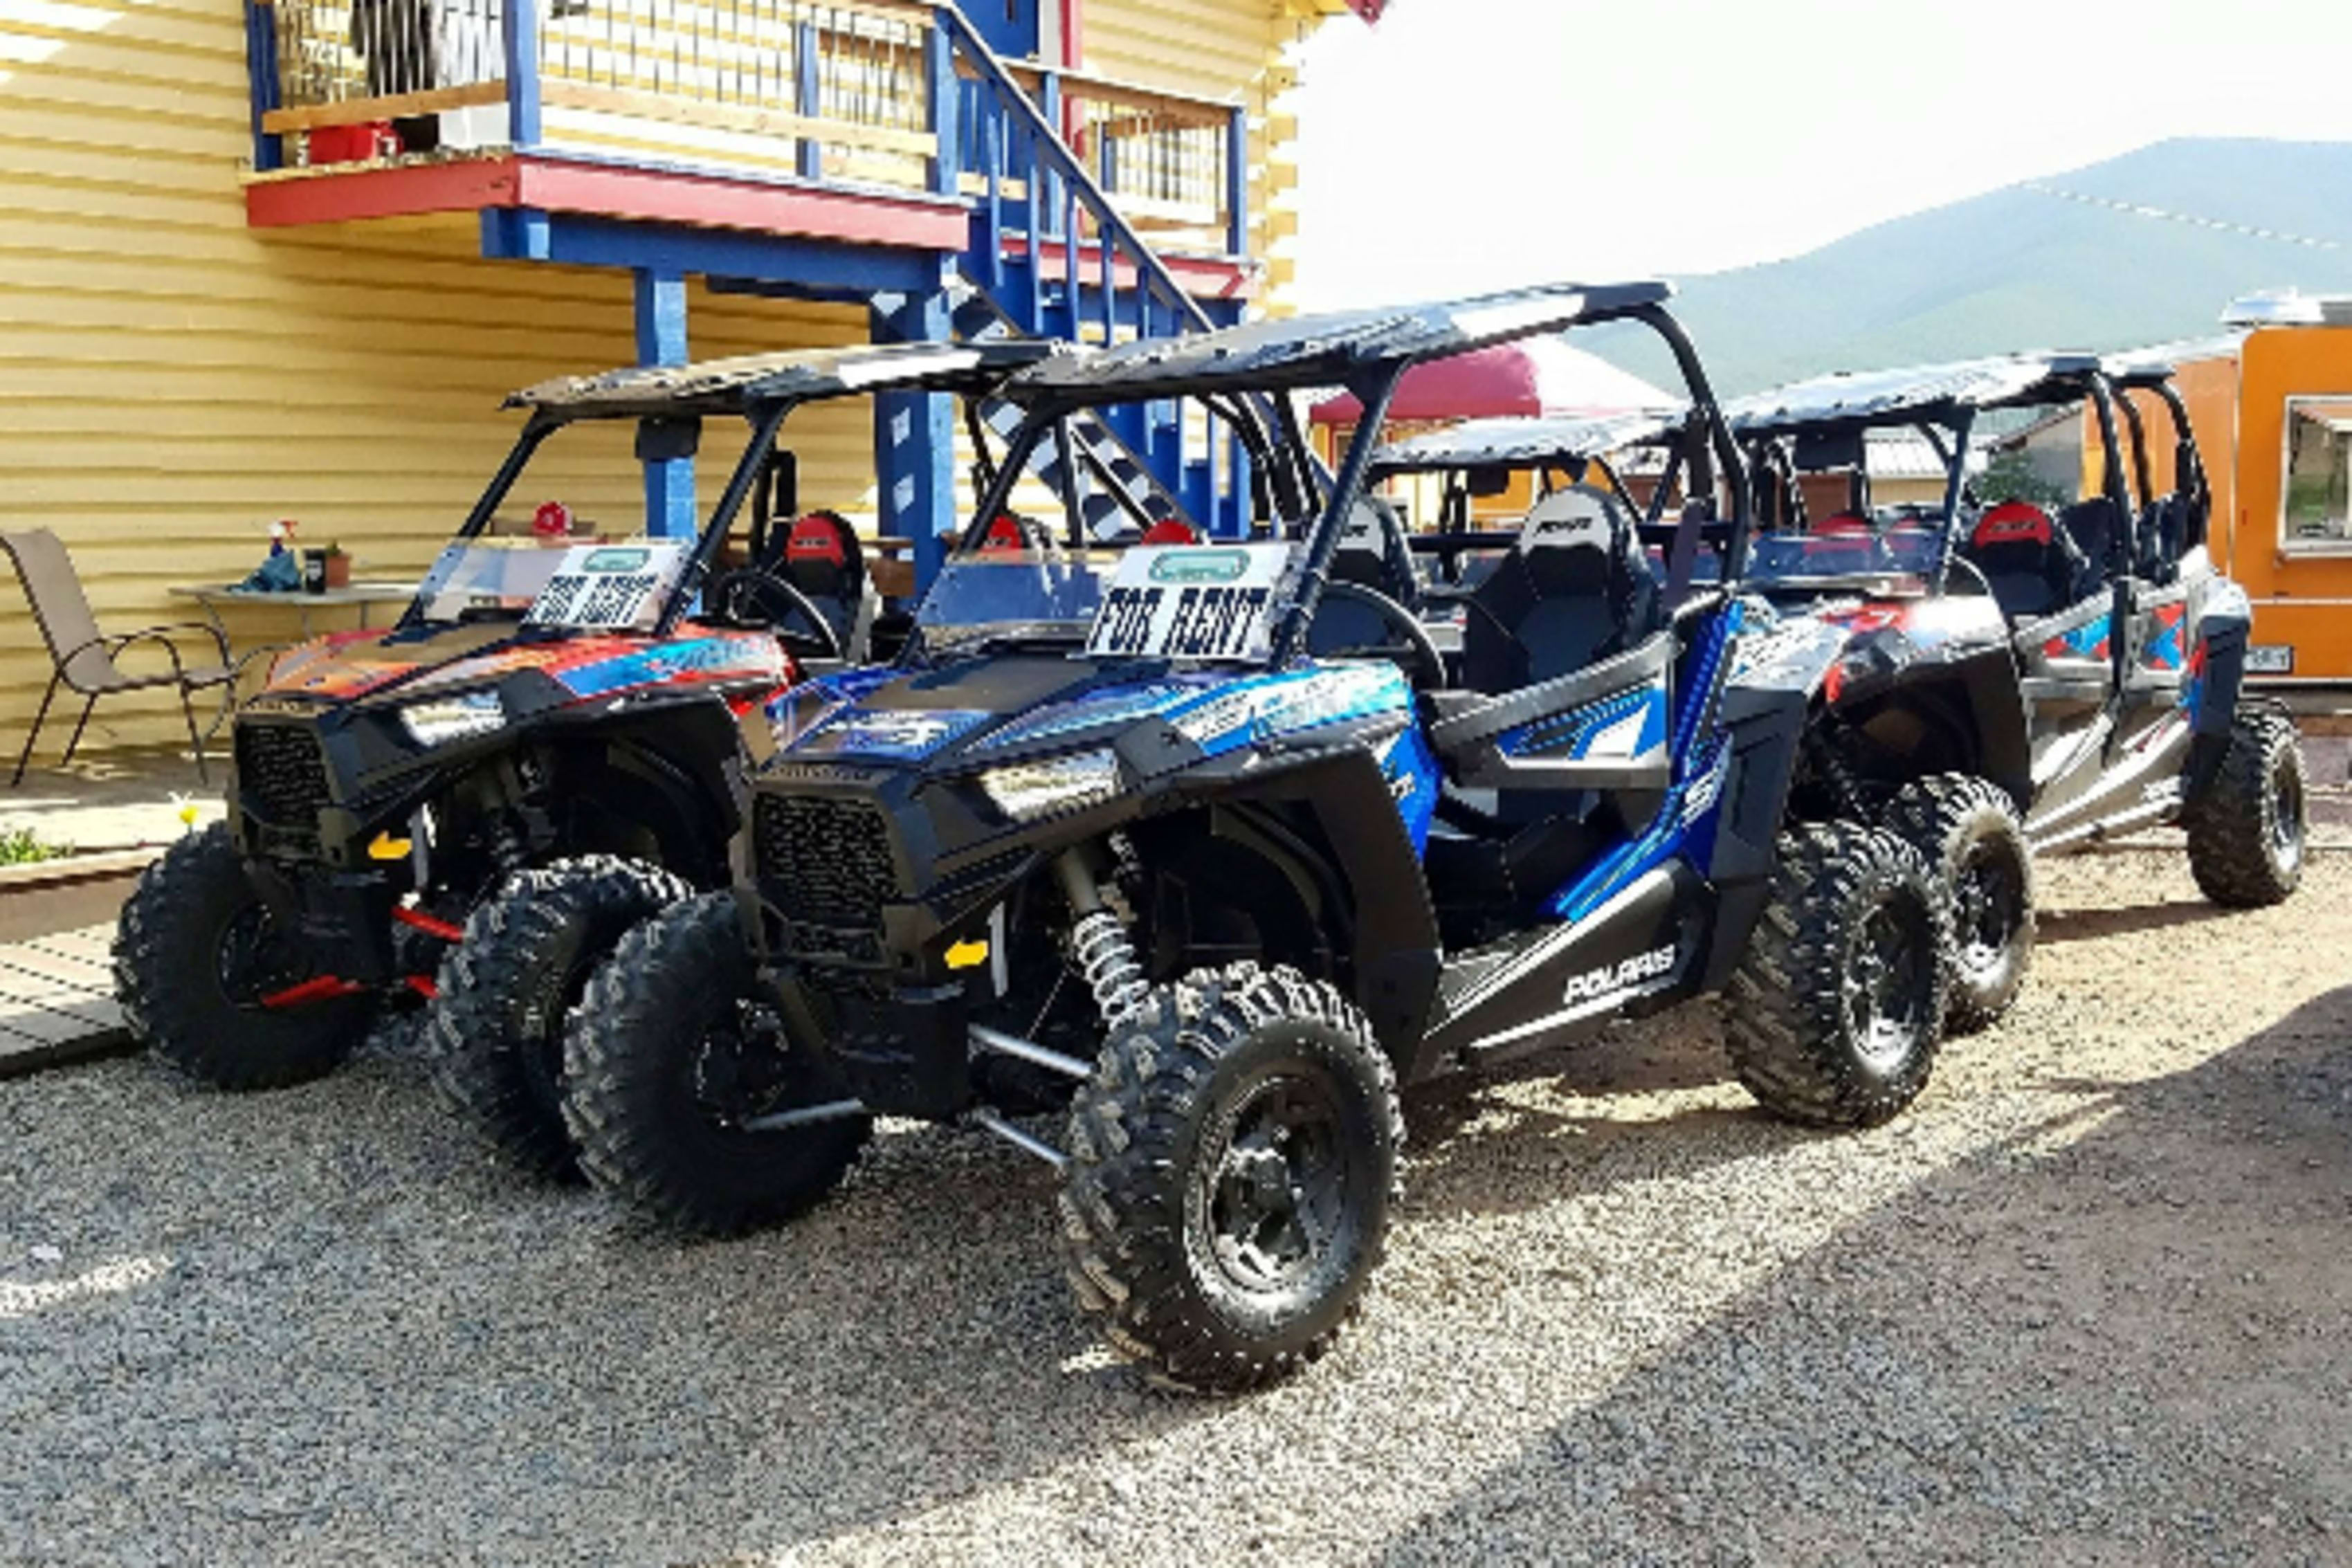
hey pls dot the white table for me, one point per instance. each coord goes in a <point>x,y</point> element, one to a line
<point>213,596</point>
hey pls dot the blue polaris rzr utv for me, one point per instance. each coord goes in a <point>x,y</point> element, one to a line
<point>1211,843</point>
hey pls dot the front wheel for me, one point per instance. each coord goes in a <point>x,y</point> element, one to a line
<point>1838,1003</point>
<point>2246,832</point>
<point>1233,1162</point>
<point>214,984</point>
<point>685,1093</point>
<point>1968,830</point>
<point>498,1014</point>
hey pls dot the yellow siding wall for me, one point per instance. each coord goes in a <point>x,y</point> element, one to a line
<point>170,380</point>
<point>1226,50</point>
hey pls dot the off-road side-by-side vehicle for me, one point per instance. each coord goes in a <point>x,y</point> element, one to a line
<point>547,739</point>
<point>2080,673</point>
<point>1804,609</point>
<point>1211,842</point>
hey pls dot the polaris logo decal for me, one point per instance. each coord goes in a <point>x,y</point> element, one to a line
<point>1607,980</point>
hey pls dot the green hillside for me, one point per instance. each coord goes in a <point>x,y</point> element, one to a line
<point>2043,264</point>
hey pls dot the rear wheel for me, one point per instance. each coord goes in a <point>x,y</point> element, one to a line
<point>1838,1004</point>
<point>496,1022</point>
<point>673,1063</point>
<point>212,984</point>
<point>1969,832</point>
<point>1233,1162</point>
<point>2246,833</point>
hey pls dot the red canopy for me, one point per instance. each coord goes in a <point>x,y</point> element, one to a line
<point>1541,375</point>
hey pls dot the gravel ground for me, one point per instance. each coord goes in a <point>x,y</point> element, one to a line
<point>2088,1301</point>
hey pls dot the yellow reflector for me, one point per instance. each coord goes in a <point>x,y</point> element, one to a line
<point>387,848</point>
<point>968,954</point>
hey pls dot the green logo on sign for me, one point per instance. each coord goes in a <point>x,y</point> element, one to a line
<point>620,560</point>
<point>1201,566</point>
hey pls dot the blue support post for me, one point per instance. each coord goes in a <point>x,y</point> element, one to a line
<point>661,340</point>
<point>518,38</point>
<point>261,71</point>
<point>1237,213</point>
<point>915,435</point>
<point>1049,104</point>
<point>808,97</point>
<point>943,115</point>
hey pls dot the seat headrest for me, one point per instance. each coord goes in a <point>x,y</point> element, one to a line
<point>1172,531</point>
<point>1842,525</point>
<point>1373,551</point>
<point>1010,534</point>
<point>1573,541</point>
<point>2013,522</point>
<point>821,536</point>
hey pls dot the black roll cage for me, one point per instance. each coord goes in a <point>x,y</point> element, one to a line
<point>2116,419</point>
<point>766,417</point>
<point>1299,480</point>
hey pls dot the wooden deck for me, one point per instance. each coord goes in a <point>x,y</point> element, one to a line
<point>56,1001</point>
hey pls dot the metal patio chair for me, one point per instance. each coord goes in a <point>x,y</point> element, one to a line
<point>84,657</point>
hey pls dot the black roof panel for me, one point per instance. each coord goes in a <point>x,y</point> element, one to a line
<point>1326,349</point>
<point>729,385</point>
<point>1890,396</point>
<point>1525,439</point>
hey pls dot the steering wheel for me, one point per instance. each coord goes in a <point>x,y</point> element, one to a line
<point>754,596</point>
<point>1424,665</point>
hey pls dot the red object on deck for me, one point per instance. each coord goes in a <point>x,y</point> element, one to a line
<point>1370,10</point>
<point>354,143</point>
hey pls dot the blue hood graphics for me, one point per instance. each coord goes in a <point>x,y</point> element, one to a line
<point>866,714</point>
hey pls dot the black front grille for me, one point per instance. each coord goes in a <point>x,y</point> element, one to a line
<point>282,772</point>
<point>825,860</point>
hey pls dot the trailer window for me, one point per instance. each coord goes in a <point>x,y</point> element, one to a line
<point>2318,474</point>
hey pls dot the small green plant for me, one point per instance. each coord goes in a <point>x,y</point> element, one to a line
<point>19,848</point>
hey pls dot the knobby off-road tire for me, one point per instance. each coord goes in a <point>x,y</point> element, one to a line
<point>195,950</point>
<point>1233,1162</point>
<point>2246,835</point>
<point>668,1050</point>
<point>497,1023</point>
<point>1971,832</point>
<point>1838,1004</point>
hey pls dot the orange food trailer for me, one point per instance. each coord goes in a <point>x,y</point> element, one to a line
<point>2272,409</point>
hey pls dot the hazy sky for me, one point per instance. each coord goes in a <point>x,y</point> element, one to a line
<point>1473,144</point>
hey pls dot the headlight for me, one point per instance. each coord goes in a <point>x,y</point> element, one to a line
<point>1024,791</point>
<point>446,718</point>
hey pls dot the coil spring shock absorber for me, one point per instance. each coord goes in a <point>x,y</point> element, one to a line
<point>1099,942</point>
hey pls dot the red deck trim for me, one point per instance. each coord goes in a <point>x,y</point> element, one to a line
<point>404,191</point>
<point>648,196</point>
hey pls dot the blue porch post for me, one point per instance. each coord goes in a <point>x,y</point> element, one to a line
<point>915,434</point>
<point>518,44</point>
<point>261,69</point>
<point>661,340</point>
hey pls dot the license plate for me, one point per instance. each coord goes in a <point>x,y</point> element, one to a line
<point>2270,658</point>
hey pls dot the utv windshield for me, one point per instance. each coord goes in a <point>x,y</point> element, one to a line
<point>1866,549</point>
<point>562,542</point>
<point>1017,595</point>
<point>1104,563</point>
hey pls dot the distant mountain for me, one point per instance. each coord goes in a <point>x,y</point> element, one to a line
<point>2137,249</point>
